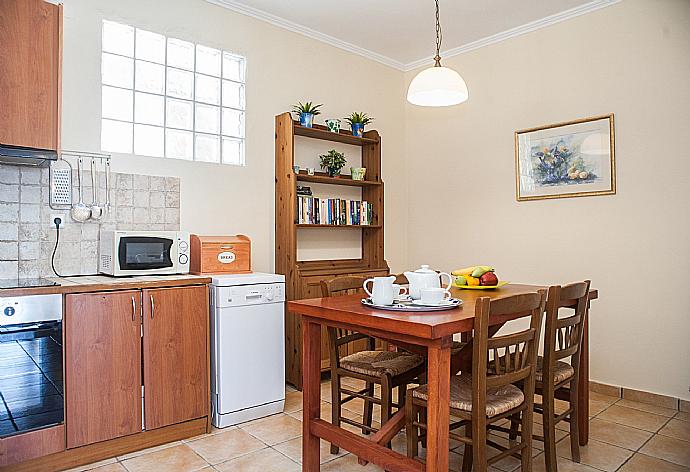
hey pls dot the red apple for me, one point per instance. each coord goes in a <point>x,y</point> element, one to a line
<point>488,279</point>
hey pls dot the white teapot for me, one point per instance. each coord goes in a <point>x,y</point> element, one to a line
<point>425,278</point>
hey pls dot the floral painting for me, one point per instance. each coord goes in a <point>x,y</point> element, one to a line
<point>566,160</point>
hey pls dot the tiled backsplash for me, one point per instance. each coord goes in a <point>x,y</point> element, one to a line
<point>27,233</point>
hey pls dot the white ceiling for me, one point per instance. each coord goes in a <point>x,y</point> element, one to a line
<point>401,33</point>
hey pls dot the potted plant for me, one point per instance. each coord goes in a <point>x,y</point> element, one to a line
<point>357,122</point>
<point>333,162</point>
<point>306,112</point>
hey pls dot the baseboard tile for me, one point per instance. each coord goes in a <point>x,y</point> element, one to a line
<point>605,389</point>
<point>640,396</point>
<point>650,398</point>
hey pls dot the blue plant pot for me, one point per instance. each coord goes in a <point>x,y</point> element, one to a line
<point>357,129</point>
<point>306,119</point>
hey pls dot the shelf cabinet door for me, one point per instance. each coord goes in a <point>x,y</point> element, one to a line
<point>102,352</point>
<point>176,356</point>
<point>30,35</point>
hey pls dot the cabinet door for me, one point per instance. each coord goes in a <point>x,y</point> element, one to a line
<point>30,35</point>
<point>102,366</point>
<point>176,355</point>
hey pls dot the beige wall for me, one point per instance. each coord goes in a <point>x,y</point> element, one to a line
<point>631,59</point>
<point>283,68</point>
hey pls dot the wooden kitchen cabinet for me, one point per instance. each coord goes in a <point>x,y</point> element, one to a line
<point>102,352</point>
<point>176,355</point>
<point>30,78</point>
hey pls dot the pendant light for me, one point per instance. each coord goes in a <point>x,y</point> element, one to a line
<point>437,86</point>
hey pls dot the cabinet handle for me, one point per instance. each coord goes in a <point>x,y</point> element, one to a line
<point>153,307</point>
<point>227,247</point>
<point>134,310</point>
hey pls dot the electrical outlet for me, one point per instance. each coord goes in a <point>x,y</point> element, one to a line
<point>63,217</point>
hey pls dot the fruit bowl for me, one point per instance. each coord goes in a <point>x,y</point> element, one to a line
<point>482,287</point>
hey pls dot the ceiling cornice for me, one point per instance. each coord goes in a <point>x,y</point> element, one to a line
<point>308,32</point>
<point>238,7</point>
<point>517,31</point>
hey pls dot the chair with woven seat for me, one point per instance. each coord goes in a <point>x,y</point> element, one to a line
<point>556,378</point>
<point>385,368</point>
<point>493,391</point>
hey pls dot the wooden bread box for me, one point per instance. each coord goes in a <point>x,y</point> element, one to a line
<point>220,254</point>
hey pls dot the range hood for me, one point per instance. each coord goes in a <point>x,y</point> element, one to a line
<point>23,156</point>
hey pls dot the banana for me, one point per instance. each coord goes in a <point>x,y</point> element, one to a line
<point>465,271</point>
<point>486,268</point>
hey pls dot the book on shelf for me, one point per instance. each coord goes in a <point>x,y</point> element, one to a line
<point>333,211</point>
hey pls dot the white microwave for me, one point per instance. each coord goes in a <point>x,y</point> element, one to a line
<point>125,253</point>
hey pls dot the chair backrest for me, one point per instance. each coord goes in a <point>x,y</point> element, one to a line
<point>400,279</point>
<point>563,336</point>
<point>337,286</point>
<point>515,354</point>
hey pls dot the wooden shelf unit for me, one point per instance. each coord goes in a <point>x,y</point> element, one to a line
<point>302,278</point>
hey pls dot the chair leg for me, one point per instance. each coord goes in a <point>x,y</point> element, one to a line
<point>335,405</point>
<point>514,425</point>
<point>526,439</point>
<point>574,428</point>
<point>467,454</point>
<point>411,431</point>
<point>402,394</point>
<point>368,408</point>
<point>386,399</point>
<point>549,426</point>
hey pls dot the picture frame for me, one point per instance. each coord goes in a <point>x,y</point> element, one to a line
<point>568,159</point>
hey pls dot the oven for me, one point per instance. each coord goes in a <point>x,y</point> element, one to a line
<point>125,253</point>
<point>31,384</point>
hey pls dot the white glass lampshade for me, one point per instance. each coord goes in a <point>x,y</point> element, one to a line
<point>437,87</point>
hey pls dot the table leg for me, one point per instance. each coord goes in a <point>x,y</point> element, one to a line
<point>583,385</point>
<point>311,393</point>
<point>438,406</point>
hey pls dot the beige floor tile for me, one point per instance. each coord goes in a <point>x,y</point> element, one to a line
<point>677,429</point>
<point>643,463</point>
<point>669,449</point>
<point>274,429</point>
<point>227,445</point>
<point>348,463</point>
<point>617,434</point>
<point>683,416</point>
<point>293,401</point>
<point>115,467</point>
<point>596,454</point>
<point>173,459</point>
<point>564,465</point>
<point>657,410</point>
<point>265,460</point>
<point>93,465</point>
<point>538,429</point>
<point>600,397</point>
<point>597,406</point>
<point>149,450</point>
<point>634,418</point>
<point>293,449</point>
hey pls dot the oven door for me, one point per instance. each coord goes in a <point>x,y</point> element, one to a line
<point>145,253</point>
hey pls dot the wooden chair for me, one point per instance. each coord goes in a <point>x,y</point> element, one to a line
<point>491,392</point>
<point>385,368</point>
<point>554,377</point>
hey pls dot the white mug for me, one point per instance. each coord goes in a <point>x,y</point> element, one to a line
<point>434,295</point>
<point>382,292</point>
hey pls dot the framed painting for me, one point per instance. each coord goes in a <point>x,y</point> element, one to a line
<point>571,159</point>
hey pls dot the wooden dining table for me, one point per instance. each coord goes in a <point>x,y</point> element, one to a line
<point>429,333</point>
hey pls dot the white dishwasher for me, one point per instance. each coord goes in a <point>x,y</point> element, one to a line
<point>247,347</point>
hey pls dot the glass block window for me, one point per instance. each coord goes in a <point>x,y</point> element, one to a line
<point>165,97</point>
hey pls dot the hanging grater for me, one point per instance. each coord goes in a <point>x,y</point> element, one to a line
<point>60,185</point>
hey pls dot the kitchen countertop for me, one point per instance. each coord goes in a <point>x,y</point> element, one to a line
<point>100,283</point>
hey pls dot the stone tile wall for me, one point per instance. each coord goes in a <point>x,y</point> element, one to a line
<point>27,234</point>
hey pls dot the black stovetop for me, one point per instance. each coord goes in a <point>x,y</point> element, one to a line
<point>25,283</point>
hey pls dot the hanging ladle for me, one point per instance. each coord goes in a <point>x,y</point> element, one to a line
<point>96,209</point>
<point>80,212</point>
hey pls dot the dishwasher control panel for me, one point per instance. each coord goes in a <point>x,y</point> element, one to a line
<point>248,294</point>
